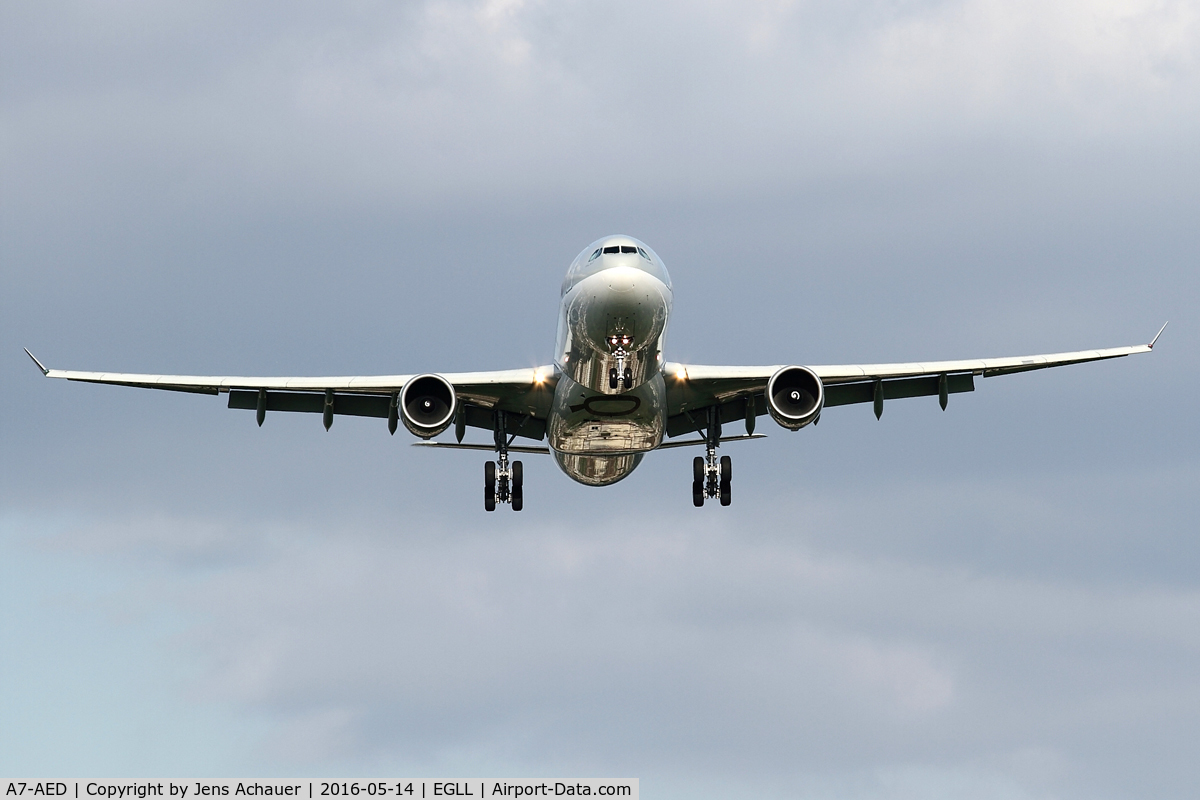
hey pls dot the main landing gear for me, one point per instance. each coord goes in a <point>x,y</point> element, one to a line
<point>502,482</point>
<point>710,477</point>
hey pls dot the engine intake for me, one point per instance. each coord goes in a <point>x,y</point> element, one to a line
<point>427,405</point>
<point>795,397</point>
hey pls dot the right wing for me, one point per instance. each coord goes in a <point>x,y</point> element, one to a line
<point>526,393</point>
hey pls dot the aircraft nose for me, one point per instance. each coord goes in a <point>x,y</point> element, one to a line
<point>622,279</point>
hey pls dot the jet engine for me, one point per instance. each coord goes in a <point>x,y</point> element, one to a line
<point>795,397</point>
<point>427,405</point>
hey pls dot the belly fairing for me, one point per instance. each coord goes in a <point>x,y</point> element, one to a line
<point>597,470</point>
<point>599,438</point>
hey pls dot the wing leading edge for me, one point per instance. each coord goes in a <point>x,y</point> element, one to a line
<point>738,391</point>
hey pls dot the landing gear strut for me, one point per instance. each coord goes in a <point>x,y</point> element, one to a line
<point>710,477</point>
<point>502,482</point>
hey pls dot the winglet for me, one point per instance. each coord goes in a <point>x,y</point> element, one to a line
<point>1152,341</point>
<point>39,364</point>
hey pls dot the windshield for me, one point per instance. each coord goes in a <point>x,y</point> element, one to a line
<point>615,251</point>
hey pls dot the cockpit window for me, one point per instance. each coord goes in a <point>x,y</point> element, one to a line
<point>629,253</point>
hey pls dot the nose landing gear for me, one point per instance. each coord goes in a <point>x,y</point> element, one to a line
<point>620,375</point>
<point>503,482</point>
<point>711,478</point>
<point>625,379</point>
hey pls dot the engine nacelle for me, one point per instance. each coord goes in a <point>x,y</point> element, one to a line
<point>795,397</point>
<point>427,405</point>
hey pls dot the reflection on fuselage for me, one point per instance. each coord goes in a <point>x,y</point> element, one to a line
<point>608,404</point>
<point>598,470</point>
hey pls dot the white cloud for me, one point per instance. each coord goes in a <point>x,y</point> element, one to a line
<point>706,648</point>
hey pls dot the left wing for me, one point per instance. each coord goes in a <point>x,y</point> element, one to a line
<point>523,392</point>
<point>739,391</point>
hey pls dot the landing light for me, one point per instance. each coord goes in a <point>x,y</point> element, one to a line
<point>538,377</point>
<point>681,373</point>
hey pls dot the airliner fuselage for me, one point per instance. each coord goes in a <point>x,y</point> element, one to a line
<point>608,406</point>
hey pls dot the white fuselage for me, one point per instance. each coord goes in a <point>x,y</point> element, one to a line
<point>609,399</point>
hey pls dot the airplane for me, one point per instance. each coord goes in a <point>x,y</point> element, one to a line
<point>608,398</point>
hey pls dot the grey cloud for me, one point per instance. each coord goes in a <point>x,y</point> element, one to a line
<point>448,98</point>
<point>997,599</point>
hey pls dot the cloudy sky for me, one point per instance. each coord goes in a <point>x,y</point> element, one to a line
<point>1001,600</point>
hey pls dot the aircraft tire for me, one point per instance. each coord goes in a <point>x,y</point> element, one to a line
<point>518,489</point>
<point>697,493</point>
<point>698,470</point>
<point>489,486</point>
<point>726,469</point>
